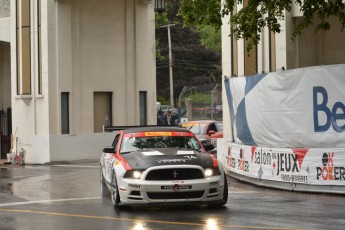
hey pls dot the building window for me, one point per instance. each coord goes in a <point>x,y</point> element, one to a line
<point>272,51</point>
<point>23,46</point>
<point>64,113</point>
<point>18,46</point>
<point>39,47</point>
<point>234,50</point>
<point>143,107</point>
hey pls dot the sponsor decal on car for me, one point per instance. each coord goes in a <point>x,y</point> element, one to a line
<point>152,153</point>
<point>134,186</point>
<point>176,187</point>
<point>193,124</point>
<point>158,134</point>
<point>214,182</point>
<point>184,152</point>
<point>153,134</point>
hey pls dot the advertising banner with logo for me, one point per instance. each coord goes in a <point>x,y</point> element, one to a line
<point>294,108</point>
<point>312,166</point>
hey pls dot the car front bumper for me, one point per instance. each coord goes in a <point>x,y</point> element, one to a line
<point>136,191</point>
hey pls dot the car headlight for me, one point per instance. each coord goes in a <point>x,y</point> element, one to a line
<point>134,174</point>
<point>211,172</point>
<point>208,172</point>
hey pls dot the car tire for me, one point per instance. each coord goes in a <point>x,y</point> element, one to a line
<point>104,188</point>
<point>115,196</point>
<point>225,191</point>
<point>224,200</point>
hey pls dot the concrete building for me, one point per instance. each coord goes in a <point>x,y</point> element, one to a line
<point>68,67</point>
<point>276,52</point>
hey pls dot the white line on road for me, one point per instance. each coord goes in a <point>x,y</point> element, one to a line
<point>46,201</point>
<point>76,166</point>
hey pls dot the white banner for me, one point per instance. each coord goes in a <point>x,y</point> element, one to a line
<point>294,165</point>
<point>293,108</point>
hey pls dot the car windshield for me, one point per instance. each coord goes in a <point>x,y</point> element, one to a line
<point>134,143</point>
<point>196,128</point>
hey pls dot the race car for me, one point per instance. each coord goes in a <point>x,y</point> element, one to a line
<point>161,165</point>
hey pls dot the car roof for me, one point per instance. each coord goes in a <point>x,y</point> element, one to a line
<point>155,129</point>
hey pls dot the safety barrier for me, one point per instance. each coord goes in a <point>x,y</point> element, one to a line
<point>320,170</point>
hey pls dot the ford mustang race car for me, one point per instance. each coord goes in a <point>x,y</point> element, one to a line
<point>161,165</point>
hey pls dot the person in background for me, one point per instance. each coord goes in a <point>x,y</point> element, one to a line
<point>169,119</point>
<point>160,117</point>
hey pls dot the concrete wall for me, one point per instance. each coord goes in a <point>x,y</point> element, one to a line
<point>5,29</point>
<point>5,8</point>
<point>66,148</point>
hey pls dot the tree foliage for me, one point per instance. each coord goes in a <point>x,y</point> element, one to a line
<point>211,38</point>
<point>194,63</point>
<point>257,14</point>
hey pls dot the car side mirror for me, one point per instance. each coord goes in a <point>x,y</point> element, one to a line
<point>208,147</point>
<point>211,132</point>
<point>109,150</point>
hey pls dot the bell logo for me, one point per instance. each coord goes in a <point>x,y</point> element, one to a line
<point>334,114</point>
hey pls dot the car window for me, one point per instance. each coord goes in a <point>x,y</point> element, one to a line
<point>116,141</point>
<point>130,144</point>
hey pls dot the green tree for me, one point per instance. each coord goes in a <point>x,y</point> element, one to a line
<point>195,62</point>
<point>256,15</point>
<point>211,38</point>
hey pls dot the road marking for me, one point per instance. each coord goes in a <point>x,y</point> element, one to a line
<point>135,220</point>
<point>236,190</point>
<point>76,166</point>
<point>46,201</point>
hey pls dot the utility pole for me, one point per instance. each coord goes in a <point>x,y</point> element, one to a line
<point>170,66</point>
<point>212,99</point>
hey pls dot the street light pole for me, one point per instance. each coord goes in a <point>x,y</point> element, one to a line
<point>170,66</point>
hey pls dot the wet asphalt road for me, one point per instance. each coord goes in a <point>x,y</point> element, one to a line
<point>68,197</point>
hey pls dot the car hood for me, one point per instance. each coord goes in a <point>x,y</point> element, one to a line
<point>169,156</point>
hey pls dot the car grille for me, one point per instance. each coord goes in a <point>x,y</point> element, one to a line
<point>175,195</point>
<point>175,174</point>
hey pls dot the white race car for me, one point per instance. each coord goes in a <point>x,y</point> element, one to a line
<point>161,165</point>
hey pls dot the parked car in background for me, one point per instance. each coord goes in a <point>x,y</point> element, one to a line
<point>207,131</point>
<point>161,165</point>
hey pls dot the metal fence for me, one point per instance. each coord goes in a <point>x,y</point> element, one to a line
<point>208,108</point>
<point>197,103</point>
<point>203,111</point>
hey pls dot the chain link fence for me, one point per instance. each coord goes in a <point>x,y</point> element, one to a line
<point>196,103</point>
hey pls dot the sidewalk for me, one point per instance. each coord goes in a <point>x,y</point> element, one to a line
<point>2,161</point>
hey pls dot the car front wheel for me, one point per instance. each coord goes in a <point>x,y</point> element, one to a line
<point>225,193</point>
<point>115,196</point>
<point>224,200</point>
<point>104,188</point>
